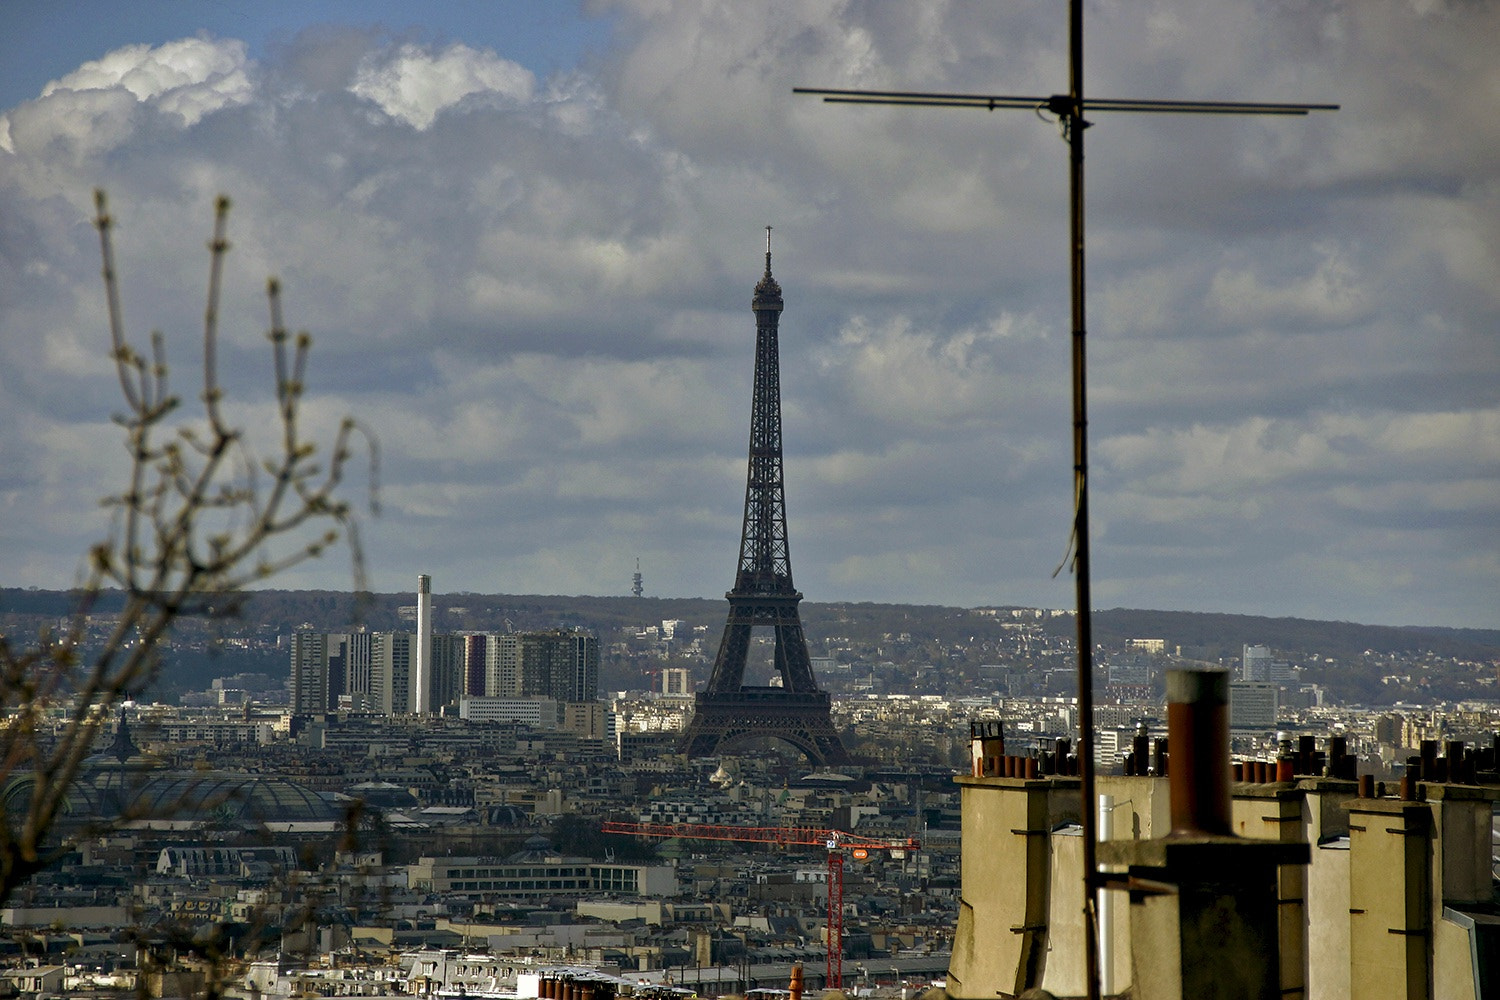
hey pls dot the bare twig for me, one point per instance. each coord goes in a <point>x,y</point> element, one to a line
<point>190,527</point>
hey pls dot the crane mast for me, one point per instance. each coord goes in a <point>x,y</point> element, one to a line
<point>837,842</point>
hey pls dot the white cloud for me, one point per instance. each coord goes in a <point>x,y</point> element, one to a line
<point>189,78</point>
<point>906,377</point>
<point>415,85</point>
<point>91,109</point>
<point>1260,452</point>
<point>1331,295</point>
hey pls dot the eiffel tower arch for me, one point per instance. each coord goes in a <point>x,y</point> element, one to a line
<point>729,712</point>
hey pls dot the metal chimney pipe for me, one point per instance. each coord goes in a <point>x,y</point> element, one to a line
<point>1198,731</point>
<point>1106,899</point>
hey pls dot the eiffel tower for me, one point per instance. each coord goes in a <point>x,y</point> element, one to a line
<point>730,712</point>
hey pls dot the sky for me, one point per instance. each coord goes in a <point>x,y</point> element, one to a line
<point>524,238</point>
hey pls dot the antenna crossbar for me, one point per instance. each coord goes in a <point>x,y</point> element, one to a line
<point>1059,104</point>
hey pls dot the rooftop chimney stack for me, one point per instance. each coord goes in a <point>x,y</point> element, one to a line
<point>1198,733</point>
<point>1208,901</point>
<point>986,746</point>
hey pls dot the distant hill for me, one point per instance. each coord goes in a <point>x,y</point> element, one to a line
<point>1206,636</point>
<point>1210,636</point>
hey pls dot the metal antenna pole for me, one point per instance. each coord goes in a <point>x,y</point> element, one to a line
<point>1076,126</point>
<point>1070,109</point>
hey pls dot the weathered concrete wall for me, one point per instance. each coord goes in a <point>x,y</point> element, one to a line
<point>1275,812</point>
<point>1142,810</point>
<point>1390,845</point>
<point>1204,915</point>
<point>1462,820</point>
<point>1326,830</point>
<point>1328,923</point>
<point>1000,944</point>
<point>1066,971</point>
<point>1453,963</point>
<point>1364,920</point>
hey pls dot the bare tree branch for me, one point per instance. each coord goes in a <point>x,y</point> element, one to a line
<point>193,524</point>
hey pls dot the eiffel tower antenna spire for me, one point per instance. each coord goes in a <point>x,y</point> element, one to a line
<point>1069,109</point>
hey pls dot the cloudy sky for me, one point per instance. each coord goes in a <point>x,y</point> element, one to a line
<point>524,237</point>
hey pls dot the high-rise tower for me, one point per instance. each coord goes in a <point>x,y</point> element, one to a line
<point>421,684</point>
<point>729,711</point>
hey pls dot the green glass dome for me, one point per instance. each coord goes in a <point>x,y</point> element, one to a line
<point>207,798</point>
<point>233,800</point>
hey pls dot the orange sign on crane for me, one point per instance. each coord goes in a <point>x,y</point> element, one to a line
<point>836,841</point>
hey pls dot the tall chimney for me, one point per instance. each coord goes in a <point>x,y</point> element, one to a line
<point>1198,735</point>
<point>421,680</point>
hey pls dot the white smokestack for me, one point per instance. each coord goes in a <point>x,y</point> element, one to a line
<point>421,681</point>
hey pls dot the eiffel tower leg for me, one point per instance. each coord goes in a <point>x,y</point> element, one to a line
<point>792,661</point>
<point>701,738</point>
<point>729,664</point>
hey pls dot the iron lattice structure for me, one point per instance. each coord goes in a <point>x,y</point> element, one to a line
<point>728,711</point>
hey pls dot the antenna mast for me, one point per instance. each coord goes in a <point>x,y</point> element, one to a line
<point>1069,109</point>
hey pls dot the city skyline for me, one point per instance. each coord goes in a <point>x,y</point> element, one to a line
<point>525,246</point>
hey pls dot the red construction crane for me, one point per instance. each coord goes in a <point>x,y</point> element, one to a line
<point>836,841</point>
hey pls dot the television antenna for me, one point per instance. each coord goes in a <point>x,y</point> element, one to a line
<point>1069,110</point>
